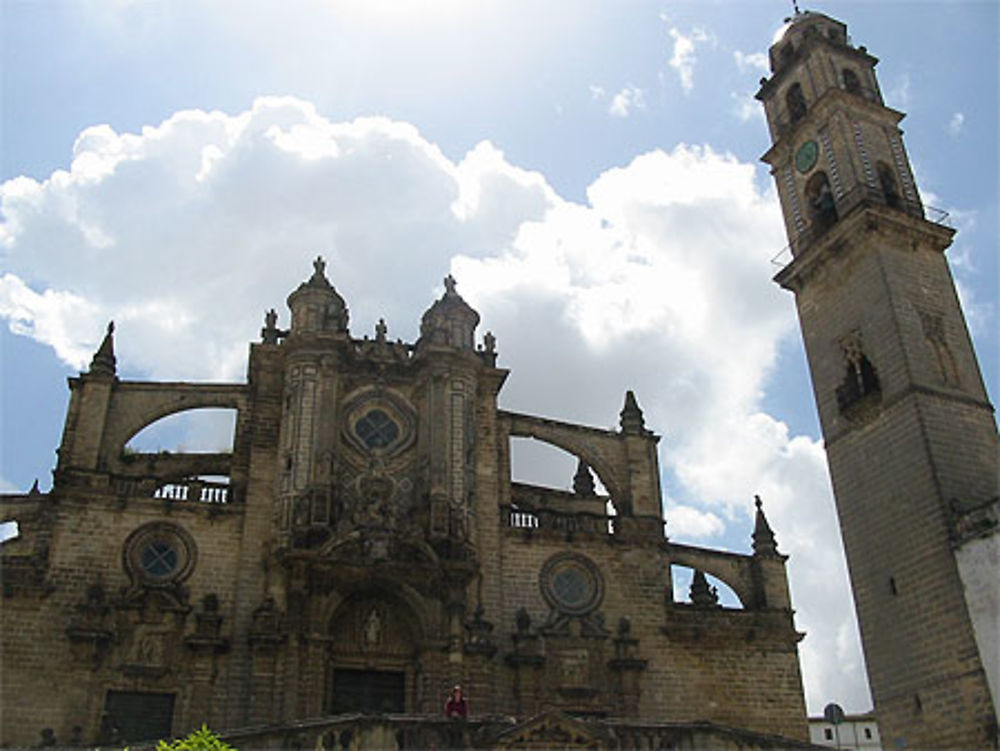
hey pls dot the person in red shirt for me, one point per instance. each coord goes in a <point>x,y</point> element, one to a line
<point>456,708</point>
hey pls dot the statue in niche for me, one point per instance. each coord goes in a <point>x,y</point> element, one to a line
<point>371,632</point>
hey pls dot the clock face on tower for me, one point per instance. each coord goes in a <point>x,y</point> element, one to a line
<point>805,157</point>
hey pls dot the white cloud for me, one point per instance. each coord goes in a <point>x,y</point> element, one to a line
<point>683,57</point>
<point>979,314</point>
<point>63,320</point>
<point>629,98</point>
<point>186,232</point>
<point>746,108</point>
<point>956,124</point>
<point>749,61</point>
<point>687,522</point>
<point>755,454</point>
<point>898,94</point>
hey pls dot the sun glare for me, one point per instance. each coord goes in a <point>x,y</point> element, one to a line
<point>408,11</point>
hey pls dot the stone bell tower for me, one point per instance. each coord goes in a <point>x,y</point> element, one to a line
<point>910,435</point>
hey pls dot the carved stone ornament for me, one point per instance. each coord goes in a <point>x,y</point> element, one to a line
<point>159,555</point>
<point>553,730</point>
<point>379,422</point>
<point>571,583</point>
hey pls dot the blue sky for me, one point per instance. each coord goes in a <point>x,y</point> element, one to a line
<point>588,171</point>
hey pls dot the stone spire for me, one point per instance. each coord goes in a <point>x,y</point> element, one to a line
<point>763,537</point>
<point>104,362</point>
<point>583,481</point>
<point>702,595</point>
<point>631,419</point>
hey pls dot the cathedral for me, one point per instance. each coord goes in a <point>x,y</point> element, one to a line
<point>361,554</point>
<point>362,550</point>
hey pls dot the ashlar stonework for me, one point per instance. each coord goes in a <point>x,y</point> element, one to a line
<point>910,434</point>
<point>364,550</point>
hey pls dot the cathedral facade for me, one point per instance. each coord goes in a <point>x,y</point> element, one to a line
<point>361,550</point>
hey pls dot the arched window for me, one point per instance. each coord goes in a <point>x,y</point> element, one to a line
<point>860,377</point>
<point>796,102</point>
<point>822,207</point>
<point>786,54</point>
<point>851,81</point>
<point>887,179</point>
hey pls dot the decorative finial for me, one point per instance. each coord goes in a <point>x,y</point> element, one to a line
<point>763,537</point>
<point>318,278</point>
<point>702,595</point>
<point>449,285</point>
<point>583,481</point>
<point>631,419</point>
<point>269,334</point>
<point>104,362</point>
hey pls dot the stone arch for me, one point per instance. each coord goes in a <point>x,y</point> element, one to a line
<point>795,101</point>
<point>376,636</point>
<point>589,444</point>
<point>398,592</point>
<point>890,187</point>
<point>851,81</point>
<point>820,200</point>
<point>137,406</point>
<point>720,588</point>
<point>731,570</point>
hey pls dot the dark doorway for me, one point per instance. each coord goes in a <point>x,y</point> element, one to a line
<point>137,716</point>
<point>368,691</point>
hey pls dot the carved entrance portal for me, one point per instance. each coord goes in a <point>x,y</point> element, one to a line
<point>373,656</point>
<point>367,691</point>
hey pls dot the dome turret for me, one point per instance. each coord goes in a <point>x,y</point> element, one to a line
<point>450,321</point>
<point>316,306</point>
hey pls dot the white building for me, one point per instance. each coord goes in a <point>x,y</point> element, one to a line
<point>858,732</point>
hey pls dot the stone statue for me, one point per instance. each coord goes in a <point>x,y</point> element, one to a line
<point>371,636</point>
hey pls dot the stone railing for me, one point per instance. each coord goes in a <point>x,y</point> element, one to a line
<point>357,732</point>
<point>513,517</point>
<point>199,491</point>
<point>860,196</point>
<point>181,491</point>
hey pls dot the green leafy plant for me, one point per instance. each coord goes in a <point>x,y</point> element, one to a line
<point>199,740</point>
